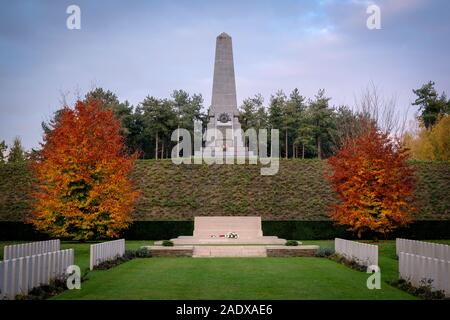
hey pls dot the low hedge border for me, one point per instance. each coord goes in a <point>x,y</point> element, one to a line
<point>298,230</point>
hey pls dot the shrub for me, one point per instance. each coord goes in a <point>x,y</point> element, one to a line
<point>324,252</point>
<point>129,255</point>
<point>143,253</point>
<point>108,264</point>
<point>167,243</point>
<point>56,286</point>
<point>349,263</point>
<point>424,291</point>
<point>291,243</point>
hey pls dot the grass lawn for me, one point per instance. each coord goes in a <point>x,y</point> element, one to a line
<point>230,278</point>
<point>233,278</point>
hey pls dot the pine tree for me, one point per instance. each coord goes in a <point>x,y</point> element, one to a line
<point>276,113</point>
<point>431,105</point>
<point>3,148</point>
<point>159,120</point>
<point>16,152</point>
<point>321,120</point>
<point>293,117</point>
<point>187,109</point>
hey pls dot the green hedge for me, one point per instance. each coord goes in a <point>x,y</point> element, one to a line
<point>19,231</point>
<point>315,230</point>
<point>304,230</point>
<point>158,230</point>
<point>298,230</point>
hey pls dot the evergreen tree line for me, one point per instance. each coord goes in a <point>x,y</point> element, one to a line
<point>16,153</point>
<point>309,127</point>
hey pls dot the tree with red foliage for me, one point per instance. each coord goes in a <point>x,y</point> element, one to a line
<point>83,186</point>
<point>373,182</point>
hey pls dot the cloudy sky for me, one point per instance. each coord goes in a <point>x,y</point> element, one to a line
<point>139,48</point>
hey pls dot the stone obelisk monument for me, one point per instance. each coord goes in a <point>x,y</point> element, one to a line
<point>223,113</point>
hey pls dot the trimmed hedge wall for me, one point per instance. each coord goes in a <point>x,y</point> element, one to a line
<point>15,230</point>
<point>159,230</point>
<point>316,230</point>
<point>299,230</point>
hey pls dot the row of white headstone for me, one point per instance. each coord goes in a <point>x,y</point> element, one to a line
<point>418,270</point>
<point>29,265</point>
<point>29,249</point>
<point>105,251</point>
<point>420,262</point>
<point>363,253</point>
<point>422,248</point>
<point>20,275</point>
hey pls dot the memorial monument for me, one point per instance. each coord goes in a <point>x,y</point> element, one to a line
<point>224,133</point>
<point>226,236</point>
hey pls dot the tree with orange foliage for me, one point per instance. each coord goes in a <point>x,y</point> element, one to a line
<point>373,182</point>
<point>83,186</point>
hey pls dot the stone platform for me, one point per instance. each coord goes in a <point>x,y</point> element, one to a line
<point>179,251</point>
<point>291,251</point>
<point>183,241</point>
<point>200,251</point>
<point>229,251</point>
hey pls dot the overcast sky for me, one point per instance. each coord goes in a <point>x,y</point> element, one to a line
<point>139,48</point>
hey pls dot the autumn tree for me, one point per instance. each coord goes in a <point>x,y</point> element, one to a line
<point>430,144</point>
<point>83,186</point>
<point>373,183</point>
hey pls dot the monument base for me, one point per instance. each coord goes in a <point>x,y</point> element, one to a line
<point>230,251</point>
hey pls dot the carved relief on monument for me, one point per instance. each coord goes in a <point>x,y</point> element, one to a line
<point>224,117</point>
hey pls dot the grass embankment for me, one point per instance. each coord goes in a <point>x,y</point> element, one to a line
<point>298,191</point>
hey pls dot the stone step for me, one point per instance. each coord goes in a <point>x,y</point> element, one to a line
<point>229,251</point>
<point>189,240</point>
